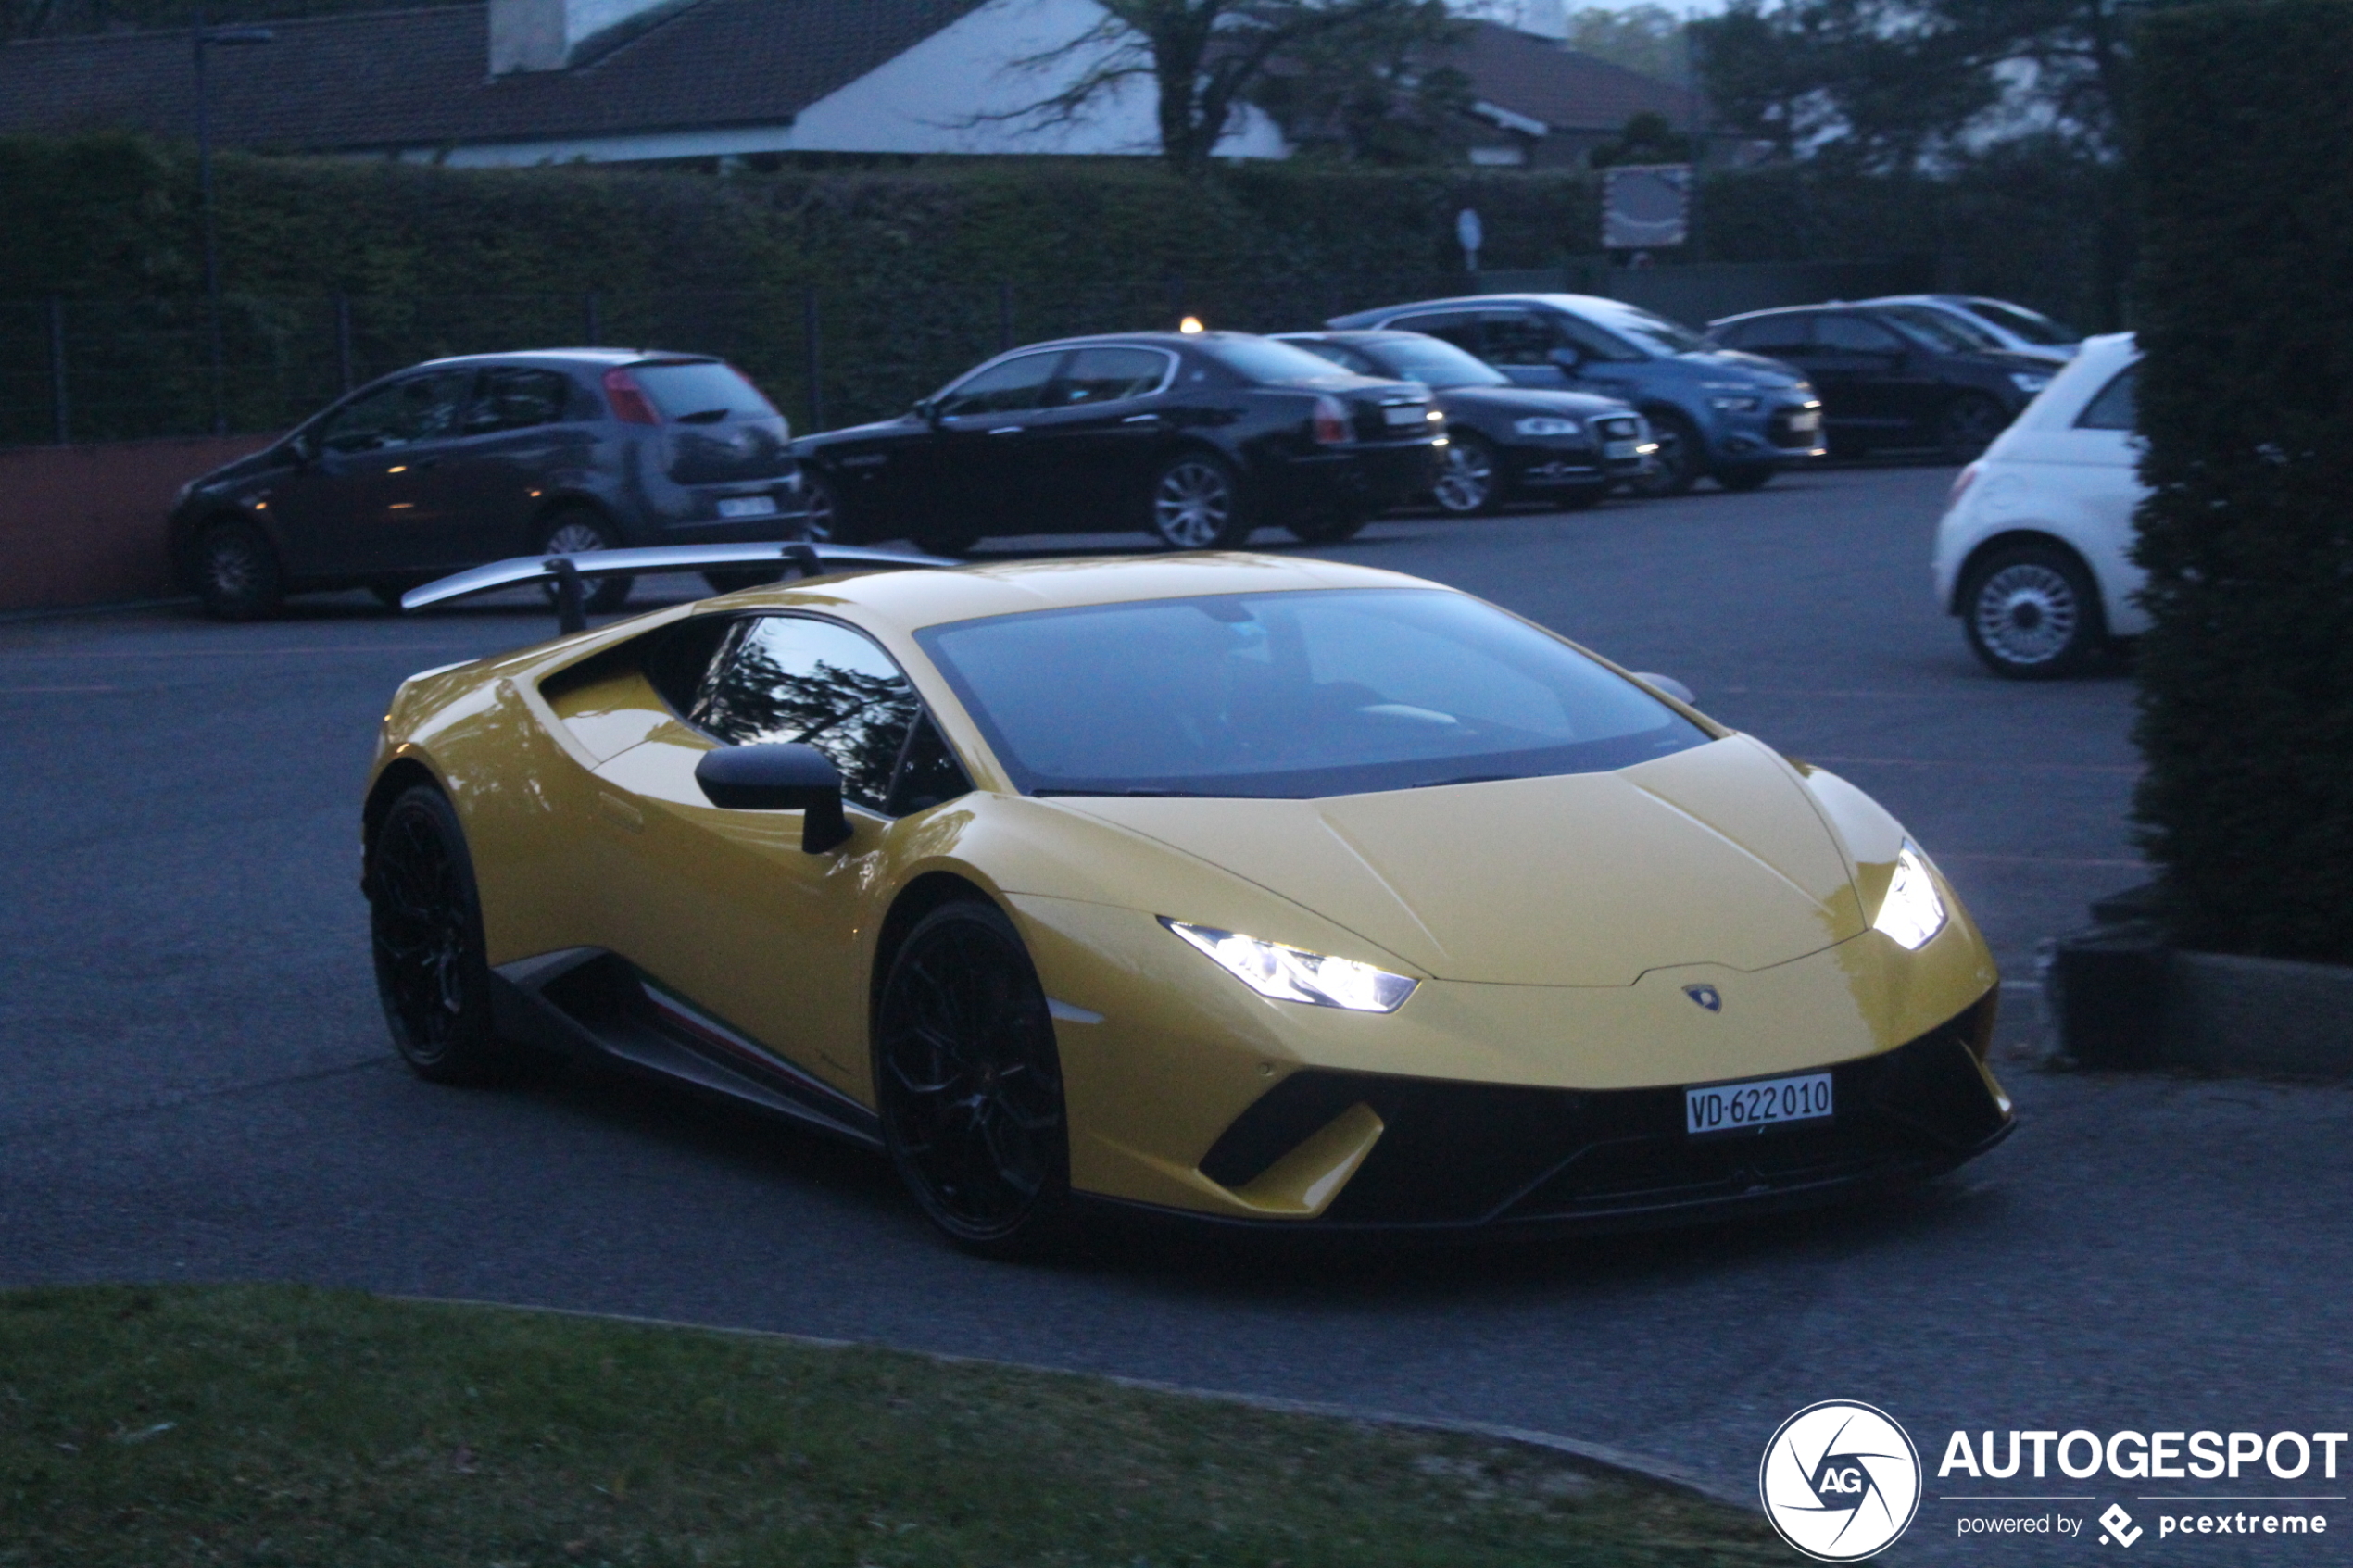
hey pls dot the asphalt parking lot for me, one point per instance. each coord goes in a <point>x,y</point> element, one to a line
<point>194,1082</point>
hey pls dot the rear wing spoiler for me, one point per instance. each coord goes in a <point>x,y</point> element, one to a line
<point>567,570</point>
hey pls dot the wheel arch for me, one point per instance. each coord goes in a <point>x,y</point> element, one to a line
<point>2007,539</point>
<point>918,898</point>
<point>192,525</point>
<point>399,775</point>
<point>567,501</point>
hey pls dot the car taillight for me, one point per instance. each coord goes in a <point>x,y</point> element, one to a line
<point>629,404</point>
<point>1961,481</point>
<point>1331,421</point>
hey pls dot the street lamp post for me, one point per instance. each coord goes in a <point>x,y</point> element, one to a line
<point>203,37</point>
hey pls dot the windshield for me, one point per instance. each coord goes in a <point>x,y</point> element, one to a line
<point>1432,361</point>
<point>1292,695</point>
<point>2031,325</point>
<point>1655,333</point>
<point>699,391</point>
<point>1269,363</point>
<point>1940,328</point>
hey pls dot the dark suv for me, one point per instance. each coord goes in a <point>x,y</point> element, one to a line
<point>455,462</point>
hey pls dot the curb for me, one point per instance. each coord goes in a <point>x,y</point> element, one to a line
<point>1592,1457</point>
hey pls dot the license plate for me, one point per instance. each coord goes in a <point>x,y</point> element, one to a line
<point>1810,420</point>
<point>1736,1108</point>
<point>1619,451</point>
<point>1405,414</point>
<point>748,505</point>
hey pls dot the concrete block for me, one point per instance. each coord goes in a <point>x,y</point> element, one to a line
<point>2256,1015</point>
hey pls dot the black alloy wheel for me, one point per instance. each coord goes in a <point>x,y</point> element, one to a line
<point>236,572</point>
<point>424,921</point>
<point>969,1084</point>
<point>2031,612</point>
<point>577,530</point>
<point>1740,478</point>
<point>1333,525</point>
<point>1471,482</point>
<point>1968,425</point>
<point>1674,467</point>
<point>1196,504</point>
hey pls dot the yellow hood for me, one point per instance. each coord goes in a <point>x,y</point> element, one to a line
<point>1714,855</point>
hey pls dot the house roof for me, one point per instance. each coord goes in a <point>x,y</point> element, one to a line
<point>1544,80</point>
<point>420,78</point>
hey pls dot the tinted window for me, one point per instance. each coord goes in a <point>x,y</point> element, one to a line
<point>1941,329</point>
<point>1771,334</point>
<point>1655,332</point>
<point>929,771</point>
<point>1519,337</point>
<point>1345,358</point>
<point>1434,363</point>
<point>511,398</point>
<point>701,390</point>
<point>1853,334</point>
<point>1457,327</point>
<point>1292,695</point>
<point>1269,363</point>
<point>2031,325</point>
<point>1105,375</point>
<point>787,678</point>
<point>1004,388</point>
<point>417,408</point>
<point>2118,405</point>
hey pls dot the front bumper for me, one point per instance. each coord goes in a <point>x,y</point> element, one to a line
<point>1466,1157</point>
<point>1782,430</point>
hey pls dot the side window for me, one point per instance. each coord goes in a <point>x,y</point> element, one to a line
<point>1006,388</point>
<point>788,678</point>
<point>510,398</point>
<point>1853,334</point>
<point>929,771</point>
<point>1457,327</point>
<point>2118,405</point>
<point>1597,344</point>
<point>1519,337</point>
<point>1106,375</point>
<point>1771,334</point>
<point>419,408</point>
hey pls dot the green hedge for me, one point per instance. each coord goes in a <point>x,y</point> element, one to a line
<point>912,263</point>
<point>2245,307</point>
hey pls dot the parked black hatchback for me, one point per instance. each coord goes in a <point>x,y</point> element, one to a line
<point>1193,437</point>
<point>458,462</point>
<point>1504,441</point>
<point>1894,375</point>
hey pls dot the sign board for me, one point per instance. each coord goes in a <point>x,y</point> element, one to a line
<point>1471,233</point>
<point>1646,206</point>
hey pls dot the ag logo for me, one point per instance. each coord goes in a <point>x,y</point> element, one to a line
<point>1706,997</point>
<point>1841,1481</point>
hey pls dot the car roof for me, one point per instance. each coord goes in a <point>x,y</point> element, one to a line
<point>905,601</point>
<point>598,358</point>
<point>1792,310</point>
<point>1352,335</point>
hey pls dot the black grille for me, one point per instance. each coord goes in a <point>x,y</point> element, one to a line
<point>1456,1153</point>
<point>1782,432</point>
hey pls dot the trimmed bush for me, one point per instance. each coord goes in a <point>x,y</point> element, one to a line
<point>2246,309</point>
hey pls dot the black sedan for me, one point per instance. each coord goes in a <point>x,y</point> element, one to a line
<point>1505,442</point>
<point>1195,438</point>
<point>455,462</point>
<point>1894,375</point>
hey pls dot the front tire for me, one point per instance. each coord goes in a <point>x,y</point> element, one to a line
<point>2031,612</point>
<point>577,530</point>
<point>236,572</point>
<point>1196,504</point>
<point>424,919</point>
<point>1675,466</point>
<point>969,1084</point>
<point>1472,481</point>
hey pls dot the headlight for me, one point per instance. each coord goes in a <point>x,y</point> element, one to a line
<point>1544,424</point>
<point>2029,380</point>
<point>1735,405</point>
<point>1289,974</point>
<point>1912,912</point>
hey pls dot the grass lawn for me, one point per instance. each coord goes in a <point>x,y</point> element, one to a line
<point>281,1426</point>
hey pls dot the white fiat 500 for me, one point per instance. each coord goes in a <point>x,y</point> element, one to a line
<point>2033,549</point>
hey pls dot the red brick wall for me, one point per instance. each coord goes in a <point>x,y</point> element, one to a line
<point>85,524</point>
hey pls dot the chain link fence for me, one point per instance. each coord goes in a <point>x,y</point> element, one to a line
<point>94,369</point>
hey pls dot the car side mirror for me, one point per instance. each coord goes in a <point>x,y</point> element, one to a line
<point>778,778</point>
<point>1668,685</point>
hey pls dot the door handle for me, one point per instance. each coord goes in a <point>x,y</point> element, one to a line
<point>1007,429</point>
<point>1141,419</point>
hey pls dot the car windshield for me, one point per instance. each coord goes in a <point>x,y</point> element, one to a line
<point>1267,362</point>
<point>1432,361</point>
<point>1655,333</point>
<point>2031,325</point>
<point>1940,328</point>
<point>1292,695</point>
<point>700,390</point>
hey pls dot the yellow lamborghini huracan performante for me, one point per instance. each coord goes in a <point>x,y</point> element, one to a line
<point>1264,891</point>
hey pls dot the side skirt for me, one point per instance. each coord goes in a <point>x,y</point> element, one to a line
<point>587,1002</point>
